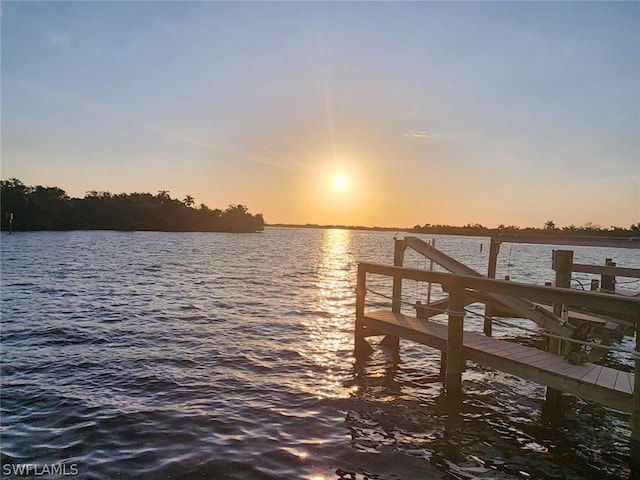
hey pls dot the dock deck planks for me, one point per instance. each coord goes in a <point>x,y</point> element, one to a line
<point>596,383</point>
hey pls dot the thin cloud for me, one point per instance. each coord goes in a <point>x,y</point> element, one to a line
<point>422,134</point>
<point>60,40</point>
<point>104,112</point>
<point>617,178</point>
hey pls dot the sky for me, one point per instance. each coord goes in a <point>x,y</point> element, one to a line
<point>497,113</point>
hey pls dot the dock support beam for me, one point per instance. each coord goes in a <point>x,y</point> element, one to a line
<point>362,349</point>
<point>455,348</point>
<point>494,249</point>
<point>608,282</point>
<point>391,342</point>
<point>562,262</point>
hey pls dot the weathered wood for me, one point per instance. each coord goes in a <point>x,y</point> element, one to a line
<point>521,306</point>
<point>439,257</point>
<point>615,304</point>
<point>362,349</point>
<point>494,249</point>
<point>607,379</point>
<point>608,282</point>
<point>548,362</point>
<point>623,383</point>
<point>429,310</point>
<point>455,348</point>
<point>607,329</point>
<point>562,260</point>
<point>604,385</point>
<point>425,311</point>
<point>587,241</point>
<point>392,342</point>
<point>427,333</point>
<point>529,356</point>
<point>429,286</point>
<point>600,321</point>
<point>476,339</point>
<point>592,375</point>
<point>566,368</point>
<point>527,362</point>
<point>610,270</point>
<point>361,290</point>
<point>398,260</point>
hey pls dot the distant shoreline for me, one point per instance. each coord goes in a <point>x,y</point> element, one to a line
<point>479,231</point>
<point>338,227</point>
<point>38,208</point>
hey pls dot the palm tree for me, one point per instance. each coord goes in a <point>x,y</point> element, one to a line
<point>189,201</point>
<point>163,195</point>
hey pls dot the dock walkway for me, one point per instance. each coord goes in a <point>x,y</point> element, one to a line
<point>597,383</point>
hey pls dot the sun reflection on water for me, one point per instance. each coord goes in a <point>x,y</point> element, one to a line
<point>330,331</point>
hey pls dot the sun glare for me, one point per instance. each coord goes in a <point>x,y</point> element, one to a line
<point>338,191</point>
<point>339,181</point>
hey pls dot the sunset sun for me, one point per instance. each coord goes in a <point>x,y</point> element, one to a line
<point>339,181</point>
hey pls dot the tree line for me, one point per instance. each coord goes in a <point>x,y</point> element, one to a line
<point>25,208</point>
<point>548,228</point>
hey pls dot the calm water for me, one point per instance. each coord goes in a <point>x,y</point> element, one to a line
<point>171,355</point>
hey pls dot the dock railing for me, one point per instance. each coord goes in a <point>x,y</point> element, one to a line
<point>462,287</point>
<point>563,274</point>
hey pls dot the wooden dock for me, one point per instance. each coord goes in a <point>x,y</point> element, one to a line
<point>607,386</point>
<point>603,385</point>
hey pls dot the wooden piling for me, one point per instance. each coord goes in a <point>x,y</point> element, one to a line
<point>362,349</point>
<point>432,244</point>
<point>455,349</point>
<point>562,261</point>
<point>608,282</point>
<point>392,342</point>
<point>494,249</point>
<point>562,264</point>
<point>398,261</point>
